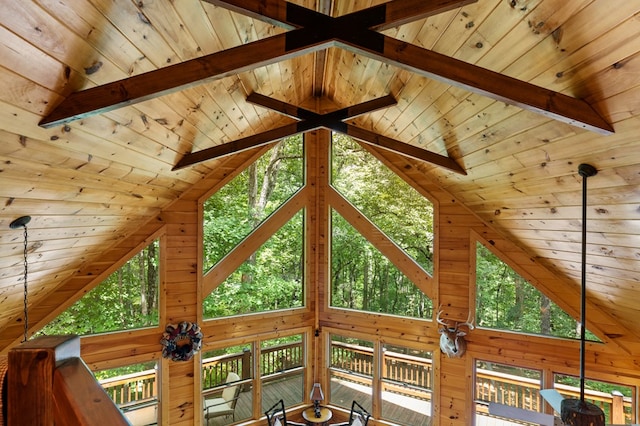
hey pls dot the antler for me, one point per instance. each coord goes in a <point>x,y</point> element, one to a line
<point>438,318</point>
<point>469,322</point>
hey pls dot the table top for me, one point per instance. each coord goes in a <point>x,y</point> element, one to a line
<point>310,416</point>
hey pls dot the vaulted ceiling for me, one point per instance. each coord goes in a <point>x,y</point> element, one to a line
<point>110,110</point>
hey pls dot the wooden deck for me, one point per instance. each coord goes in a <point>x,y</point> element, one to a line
<point>402,411</point>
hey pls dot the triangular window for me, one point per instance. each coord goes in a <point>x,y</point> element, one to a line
<point>397,209</point>
<point>506,301</point>
<point>127,299</point>
<point>241,205</point>
<point>269,279</point>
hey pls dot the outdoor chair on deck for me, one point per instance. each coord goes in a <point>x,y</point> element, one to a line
<point>276,416</point>
<point>225,405</point>
<point>357,417</point>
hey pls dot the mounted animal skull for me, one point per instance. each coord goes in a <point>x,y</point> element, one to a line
<point>452,341</point>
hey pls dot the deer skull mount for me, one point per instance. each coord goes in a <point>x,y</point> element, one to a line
<point>452,341</point>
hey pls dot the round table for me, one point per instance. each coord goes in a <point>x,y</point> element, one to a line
<point>310,416</point>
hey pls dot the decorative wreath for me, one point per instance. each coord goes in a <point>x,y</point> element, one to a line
<point>181,342</point>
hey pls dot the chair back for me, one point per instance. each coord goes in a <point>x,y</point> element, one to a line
<point>359,415</point>
<point>276,414</point>
<point>230,393</point>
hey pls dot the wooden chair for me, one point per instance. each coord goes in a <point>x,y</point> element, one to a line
<point>226,404</point>
<point>357,417</point>
<point>276,416</point>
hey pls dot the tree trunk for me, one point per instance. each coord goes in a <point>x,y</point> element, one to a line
<point>545,315</point>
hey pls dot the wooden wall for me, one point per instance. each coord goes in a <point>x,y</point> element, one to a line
<point>457,229</point>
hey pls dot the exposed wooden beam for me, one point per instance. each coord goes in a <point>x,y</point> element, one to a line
<point>380,17</point>
<point>171,79</point>
<point>302,113</point>
<point>512,91</point>
<point>412,151</point>
<point>315,31</point>
<point>218,65</point>
<point>240,145</point>
<point>310,120</point>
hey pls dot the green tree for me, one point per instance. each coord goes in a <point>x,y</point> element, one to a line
<point>127,299</point>
<point>505,300</point>
<point>271,278</point>
<point>401,212</point>
<point>361,277</point>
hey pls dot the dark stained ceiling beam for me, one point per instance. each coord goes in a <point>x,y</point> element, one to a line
<point>173,78</point>
<point>310,120</point>
<point>315,31</point>
<point>491,84</point>
<point>406,149</point>
<point>357,32</point>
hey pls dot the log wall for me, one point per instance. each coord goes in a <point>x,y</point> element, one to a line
<point>452,286</point>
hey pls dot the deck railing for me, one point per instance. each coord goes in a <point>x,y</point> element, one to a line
<point>491,386</point>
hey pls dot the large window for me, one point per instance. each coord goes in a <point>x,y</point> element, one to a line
<point>407,384</point>
<point>282,363</point>
<point>234,211</point>
<point>508,385</point>
<point>134,389</point>
<point>269,279</point>
<point>271,276</point>
<point>227,375</point>
<point>519,387</point>
<point>127,299</point>
<point>506,301</point>
<point>405,378</point>
<point>381,225</point>
<point>230,381</point>
<point>401,212</point>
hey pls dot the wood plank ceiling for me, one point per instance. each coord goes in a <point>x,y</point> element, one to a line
<point>91,181</point>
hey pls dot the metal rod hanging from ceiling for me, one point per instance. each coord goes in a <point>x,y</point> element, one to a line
<point>585,171</point>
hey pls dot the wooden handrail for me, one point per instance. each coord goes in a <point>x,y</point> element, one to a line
<point>48,383</point>
<point>397,368</point>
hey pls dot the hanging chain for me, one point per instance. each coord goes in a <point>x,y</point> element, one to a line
<point>26,289</point>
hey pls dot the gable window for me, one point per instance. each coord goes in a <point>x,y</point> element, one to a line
<point>381,236</point>
<point>125,300</point>
<point>403,214</point>
<point>506,301</point>
<point>261,273</point>
<point>240,206</point>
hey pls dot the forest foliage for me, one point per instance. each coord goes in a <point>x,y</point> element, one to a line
<point>272,278</point>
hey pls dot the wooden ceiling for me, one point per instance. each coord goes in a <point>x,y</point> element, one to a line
<point>516,93</point>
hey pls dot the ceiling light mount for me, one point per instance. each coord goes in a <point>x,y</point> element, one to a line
<point>20,222</point>
<point>587,170</point>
